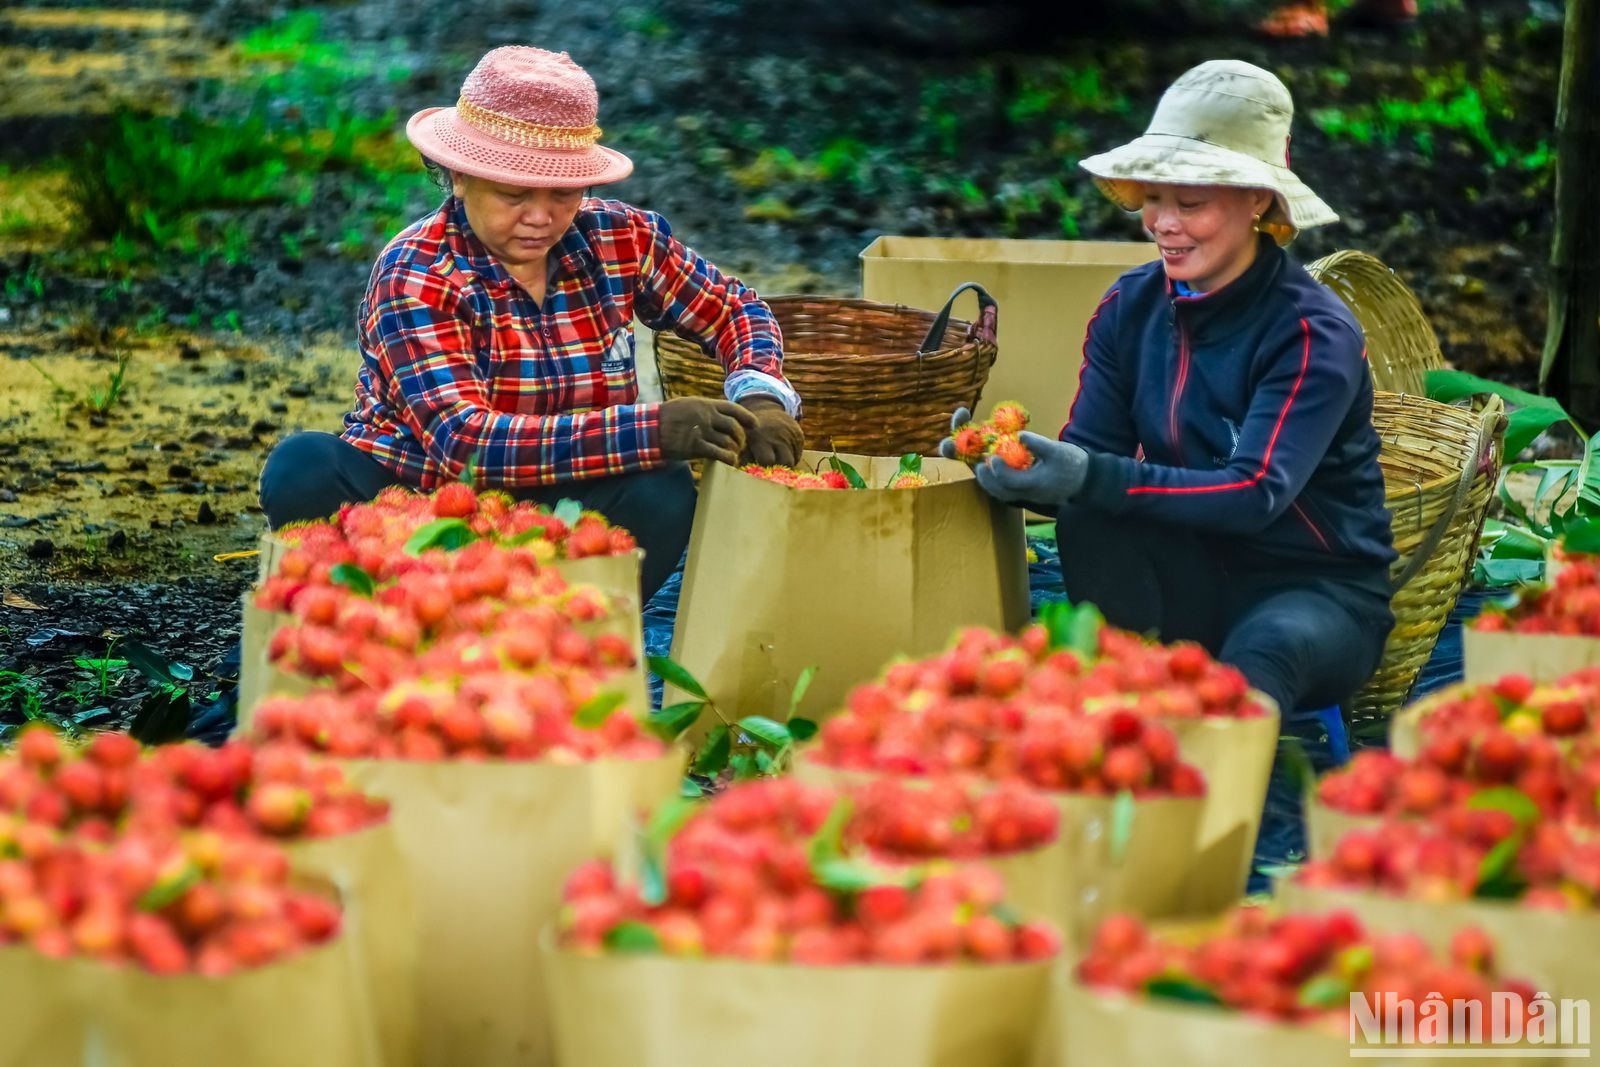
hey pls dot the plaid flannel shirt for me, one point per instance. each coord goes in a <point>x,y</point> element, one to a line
<point>460,364</point>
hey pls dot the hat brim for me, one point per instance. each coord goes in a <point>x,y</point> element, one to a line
<point>441,135</point>
<point>1175,160</point>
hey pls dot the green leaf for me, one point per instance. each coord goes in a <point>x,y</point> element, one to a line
<point>1582,536</point>
<point>713,755</point>
<point>801,684</point>
<point>1123,811</point>
<point>1509,572</point>
<point>666,820</point>
<point>675,674</point>
<point>744,766</point>
<point>169,890</point>
<point>154,665</point>
<point>1187,990</point>
<point>652,882</point>
<point>446,534</point>
<point>1056,618</point>
<point>802,729</point>
<point>568,511</point>
<point>531,534</point>
<point>1083,632</point>
<point>851,475</point>
<point>1508,799</point>
<point>828,842</point>
<point>352,578</point>
<point>764,761</point>
<point>1529,415</point>
<point>594,712</point>
<point>852,876</point>
<point>632,936</point>
<point>1513,542</point>
<point>668,722</point>
<point>1497,877</point>
<point>689,789</point>
<point>910,463</point>
<point>1325,991</point>
<point>765,730</point>
<point>1302,776</point>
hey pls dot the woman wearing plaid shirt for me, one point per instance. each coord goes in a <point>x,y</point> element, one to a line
<point>496,334</point>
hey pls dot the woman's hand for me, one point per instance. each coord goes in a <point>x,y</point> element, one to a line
<point>695,427</point>
<point>776,437</point>
<point>1056,476</point>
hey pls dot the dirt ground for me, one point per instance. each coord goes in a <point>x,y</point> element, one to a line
<point>779,140</point>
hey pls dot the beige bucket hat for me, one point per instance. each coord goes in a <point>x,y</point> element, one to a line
<point>1225,122</point>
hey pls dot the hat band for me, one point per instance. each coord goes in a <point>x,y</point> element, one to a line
<point>526,134</point>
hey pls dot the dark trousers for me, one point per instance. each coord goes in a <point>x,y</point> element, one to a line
<point>1305,636</point>
<point>312,475</point>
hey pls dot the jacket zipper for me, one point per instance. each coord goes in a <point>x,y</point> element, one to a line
<point>1183,380</point>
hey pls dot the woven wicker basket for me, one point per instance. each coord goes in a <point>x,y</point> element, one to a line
<point>865,385</point>
<point>1439,464</point>
<point>1401,346</point>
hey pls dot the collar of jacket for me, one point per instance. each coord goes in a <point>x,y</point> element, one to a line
<point>570,255</point>
<point>1223,312</point>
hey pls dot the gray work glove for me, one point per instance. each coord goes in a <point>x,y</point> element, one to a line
<point>1057,475</point>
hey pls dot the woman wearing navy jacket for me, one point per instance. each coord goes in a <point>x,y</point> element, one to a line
<point>1217,479</point>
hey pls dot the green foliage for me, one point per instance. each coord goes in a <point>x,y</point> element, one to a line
<point>1450,103</point>
<point>751,747</point>
<point>97,399</point>
<point>1566,500</point>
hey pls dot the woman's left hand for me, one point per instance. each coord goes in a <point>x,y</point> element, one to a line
<point>1056,475</point>
<point>777,438</point>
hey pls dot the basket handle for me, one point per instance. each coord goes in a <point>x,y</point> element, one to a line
<point>983,327</point>
<point>1488,429</point>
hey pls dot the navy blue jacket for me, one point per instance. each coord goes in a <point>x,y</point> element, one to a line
<point>1252,405</point>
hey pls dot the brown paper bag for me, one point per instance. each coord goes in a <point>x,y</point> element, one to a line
<point>303,1010</point>
<point>657,1011</point>
<point>781,579</point>
<point>1325,825</point>
<point>379,921</point>
<point>486,848</point>
<point>259,679</point>
<point>1405,726</point>
<point>1542,657</point>
<point>1077,880</point>
<point>615,576</point>
<point>1235,758</point>
<point>1103,1029</point>
<point>1555,950</point>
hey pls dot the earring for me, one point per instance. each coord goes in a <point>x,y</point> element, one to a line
<point>1255,223</point>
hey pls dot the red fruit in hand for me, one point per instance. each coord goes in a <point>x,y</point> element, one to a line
<point>969,444</point>
<point>1009,417</point>
<point>1013,453</point>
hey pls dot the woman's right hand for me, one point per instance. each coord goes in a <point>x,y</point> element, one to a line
<point>695,427</point>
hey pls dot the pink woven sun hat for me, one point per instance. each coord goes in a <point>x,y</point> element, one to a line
<point>525,117</point>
